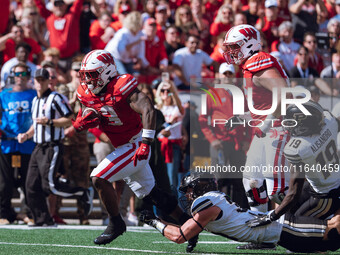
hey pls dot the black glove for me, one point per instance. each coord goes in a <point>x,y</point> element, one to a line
<point>234,119</point>
<point>147,217</point>
<point>261,219</point>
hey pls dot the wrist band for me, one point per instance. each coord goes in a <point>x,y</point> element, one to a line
<point>148,133</point>
<point>160,226</point>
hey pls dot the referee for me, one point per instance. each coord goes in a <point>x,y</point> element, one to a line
<point>50,114</point>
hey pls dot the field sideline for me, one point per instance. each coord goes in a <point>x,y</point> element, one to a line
<point>20,239</point>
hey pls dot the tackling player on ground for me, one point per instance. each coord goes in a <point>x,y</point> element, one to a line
<point>117,105</point>
<point>213,211</point>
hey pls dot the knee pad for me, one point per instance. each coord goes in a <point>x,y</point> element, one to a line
<point>162,200</point>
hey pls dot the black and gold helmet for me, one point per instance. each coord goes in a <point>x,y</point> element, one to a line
<point>299,124</point>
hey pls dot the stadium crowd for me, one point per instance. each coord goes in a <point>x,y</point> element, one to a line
<point>168,46</point>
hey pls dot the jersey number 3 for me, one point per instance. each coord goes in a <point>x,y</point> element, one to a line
<point>110,113</point>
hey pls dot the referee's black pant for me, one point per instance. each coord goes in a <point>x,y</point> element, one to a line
<point>42,180</point>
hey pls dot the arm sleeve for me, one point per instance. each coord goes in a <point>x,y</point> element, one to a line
<point>76,8</point>
<point>207,59</point>
<point>96,132</point>
<point>42,9</point>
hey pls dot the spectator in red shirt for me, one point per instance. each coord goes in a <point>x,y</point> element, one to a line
<point>217,54</point>
<point>284,10</point>
<point>155,51</point>
<point>63,25</point>
<point>211,8</point>
<point>101,32</point>
<point>270,22</point>
<point>162,16</point>
<point>17,36</point>
<point>124,10</point>
<point>119,3</point>
<point>223,21</point>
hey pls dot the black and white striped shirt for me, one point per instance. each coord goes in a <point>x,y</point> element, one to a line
<point>53,106</point>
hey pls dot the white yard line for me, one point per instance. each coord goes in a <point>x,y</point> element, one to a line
<point>205,242</point>
<point>98,248</point>
<point>89,227</point>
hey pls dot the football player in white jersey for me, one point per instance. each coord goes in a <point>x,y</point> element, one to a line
<point>213,211</point>
<point>312,153</point>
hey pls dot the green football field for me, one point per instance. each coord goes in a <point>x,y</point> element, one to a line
<point>18,239</point>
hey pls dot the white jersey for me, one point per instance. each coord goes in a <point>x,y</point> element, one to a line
<point>319,155</point>
<point>231,222</point>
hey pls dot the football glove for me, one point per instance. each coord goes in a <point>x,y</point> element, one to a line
<point>142,153</point>
<point>261,219</point>
<point>90,120</point>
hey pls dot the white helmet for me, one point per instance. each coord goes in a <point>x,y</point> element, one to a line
<point>241,42</point>
<point>97,68</point>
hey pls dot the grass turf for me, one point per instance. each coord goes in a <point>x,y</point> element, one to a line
<point>135,241</point>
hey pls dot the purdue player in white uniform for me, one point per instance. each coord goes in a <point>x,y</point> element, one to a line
<point>312,153</point>
<point>213,211</point>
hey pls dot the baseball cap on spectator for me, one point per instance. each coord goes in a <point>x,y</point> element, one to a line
<point>161,7</point>
<point>224,67</point>
<point>151,22</point>
<point>124,8</point>
<point>42,73</point>
<point>270,3</point>
<point>76,66</point>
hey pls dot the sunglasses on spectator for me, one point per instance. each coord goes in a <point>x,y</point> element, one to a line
<point>125,12</point>
<point>303,54</point>
<point>33,13</point>
<point>53,77</point>
<point>311,41</point>
<point>23,74</point>
<point>163,90</point>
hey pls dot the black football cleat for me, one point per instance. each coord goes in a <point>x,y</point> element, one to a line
<point>192,244</point>
<point>86,201</point>
<point>112,231</point>
<point>257,246</point>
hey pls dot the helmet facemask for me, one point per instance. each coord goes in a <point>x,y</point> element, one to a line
<point>92,80</point>
<point>233,54</point>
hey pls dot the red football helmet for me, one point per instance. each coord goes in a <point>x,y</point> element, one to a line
<point>97,68</point>
<point>241,43</point>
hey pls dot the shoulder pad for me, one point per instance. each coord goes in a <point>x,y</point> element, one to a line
<point>258,62</point>
<point>207,200</point>
<point>125,84</point>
